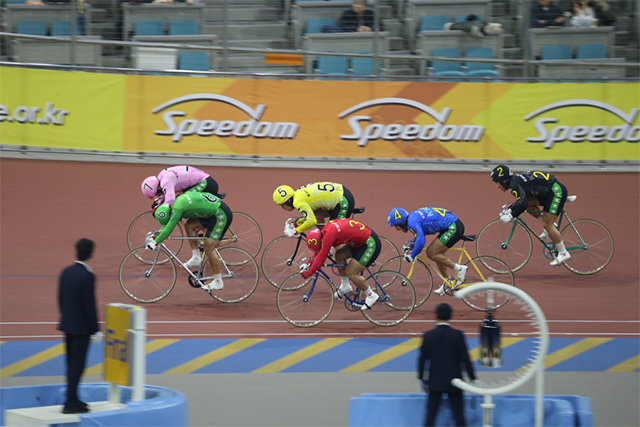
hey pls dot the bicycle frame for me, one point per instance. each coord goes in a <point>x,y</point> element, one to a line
<point>550,246</point>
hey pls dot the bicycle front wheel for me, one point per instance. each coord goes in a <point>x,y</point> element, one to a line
<point>306,305</point>
<point>420,277</point>
<point>147,282</point>
<point>239,274</point>
<point>281,258</point>
<point>485,269</point>
<point>397,297</point>
<point>137,233</point>
<point>244,233</point>
<point>510,242</point>
<point>590,245</point>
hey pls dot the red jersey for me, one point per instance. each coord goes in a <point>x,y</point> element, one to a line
<point>338,232</point>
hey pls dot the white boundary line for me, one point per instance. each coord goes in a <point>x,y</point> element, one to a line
<point>329,321</point>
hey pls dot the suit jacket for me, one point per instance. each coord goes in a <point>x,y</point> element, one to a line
<point>350,21</point>
<point>76,298</point>
<point>446,350</point>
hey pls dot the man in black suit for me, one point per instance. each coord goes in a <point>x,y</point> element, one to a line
<point>79,320</point>
<point>446,351</point>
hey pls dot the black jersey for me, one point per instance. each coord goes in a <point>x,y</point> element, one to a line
<point>532,183</point>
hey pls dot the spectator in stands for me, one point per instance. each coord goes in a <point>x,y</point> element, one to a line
<point>583,15</point>
<point>472,25</point>
<point>359,18</point>
<point>603,15</point>
<point>546,14</point>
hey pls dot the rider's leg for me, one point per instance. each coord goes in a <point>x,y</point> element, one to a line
<point>191,226</point>
<point>210,246</point>
<point>354,270</point>
<point>342,255</point>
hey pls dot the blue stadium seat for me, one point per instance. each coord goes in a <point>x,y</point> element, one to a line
<point>433,23</point>
<point>445,67</point>
<point>591,51</point>
<point>63,28</point>
<point>479,52</point>
<point>194,61</point>
<point>333,65</point>
<point>183,27</point>
<point>34,28</point>
<point>363,66</point>
<point>556,51</point>
<point>14,1</point>
<point>148,28</point>
<point>314,25</point>
<point>482,73</point>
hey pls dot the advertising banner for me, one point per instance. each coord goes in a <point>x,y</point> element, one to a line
<point>61,109</point>
<point>117,347</point>
<point>323,118</point>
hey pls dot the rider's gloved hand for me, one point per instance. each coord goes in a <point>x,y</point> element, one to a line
<point>408,258</point>
<point>505,216</point>
<point>290,230</point>
<point>151,243</point>
<point>305,266</point>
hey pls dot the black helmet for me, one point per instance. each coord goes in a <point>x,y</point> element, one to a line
<point>501,173</point>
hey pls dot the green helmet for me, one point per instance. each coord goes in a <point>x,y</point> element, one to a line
<point>163,213</point>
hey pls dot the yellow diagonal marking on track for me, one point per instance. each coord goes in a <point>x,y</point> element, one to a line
<point>214,356</point>
<point>474,353</point>
<point>628,365</point>
<point>573,350</point>
<point>384,356</point>
<point>31,361</point>
<point>151,347</point>
<point>302,354</point>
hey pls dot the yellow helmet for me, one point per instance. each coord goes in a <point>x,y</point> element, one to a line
<point>282,194</point>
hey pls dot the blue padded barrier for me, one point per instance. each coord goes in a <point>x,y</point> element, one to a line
<point>161,407</point>
<point>373,409</point>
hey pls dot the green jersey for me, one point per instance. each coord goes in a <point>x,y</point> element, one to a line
<point>189,205</point>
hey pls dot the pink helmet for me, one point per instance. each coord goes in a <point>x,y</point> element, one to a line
<point>314,240</point>
<point>150,187</point>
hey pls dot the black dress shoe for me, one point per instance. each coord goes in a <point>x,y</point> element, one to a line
<point>75,409</point>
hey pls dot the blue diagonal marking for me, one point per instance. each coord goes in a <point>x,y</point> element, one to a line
<point>15,351</point>
<point>602,357</point>
<point>56,366</point>
<point>180,352</point>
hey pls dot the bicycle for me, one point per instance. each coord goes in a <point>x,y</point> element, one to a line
<point>281,256</point>
<point>308,302</point>
<point>151,282</point>
<point>589,242</point>
<point>419,272</point>
<point>244,232</point>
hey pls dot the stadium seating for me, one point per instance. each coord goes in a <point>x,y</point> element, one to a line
<point>333,65</point>
<point>433,23</point>
<point>314,25</point>
<point>34,28</point>
<point>183,27</point>
<point>480,52</point>
<point>446,67</point>
<point>556,51</point>
<point>591,51</point>
<point>363,66</point>
<point>148,28</point>
<point>195,61</point>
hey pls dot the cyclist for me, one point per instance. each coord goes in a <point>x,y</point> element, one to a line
<point>431,221</point>
<point>531,190</point>
<point>352,239</point>
<point>203,210</point>
<point>179,179</point>
<point>315,201</point>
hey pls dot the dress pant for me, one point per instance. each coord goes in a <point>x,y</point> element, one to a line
<point>455,401</point>
<point>77,346</point>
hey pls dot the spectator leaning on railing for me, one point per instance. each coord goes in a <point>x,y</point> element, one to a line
<point>359,18</point>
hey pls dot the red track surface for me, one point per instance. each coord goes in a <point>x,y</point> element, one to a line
<point>48,205</point>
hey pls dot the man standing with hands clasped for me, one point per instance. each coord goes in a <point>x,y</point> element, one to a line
<point>445,350</point>
<point>79,320</point>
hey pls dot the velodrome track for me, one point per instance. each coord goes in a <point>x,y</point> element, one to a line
<point>47,205</point>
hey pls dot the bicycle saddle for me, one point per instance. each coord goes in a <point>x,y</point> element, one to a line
<point>221,195</point>
<point>469,238</point>
<point>358,210</point>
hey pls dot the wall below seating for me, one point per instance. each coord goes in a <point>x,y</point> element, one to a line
<point>161,407</point>
<point>374,409</point>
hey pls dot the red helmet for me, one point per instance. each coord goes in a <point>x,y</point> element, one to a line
<point>314,240</point>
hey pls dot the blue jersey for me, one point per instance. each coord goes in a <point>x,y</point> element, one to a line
<point>428,221</point>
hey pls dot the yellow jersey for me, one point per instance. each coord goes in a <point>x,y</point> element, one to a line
<point>314,196</point>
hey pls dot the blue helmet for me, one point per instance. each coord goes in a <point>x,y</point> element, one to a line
<point>397,216</point>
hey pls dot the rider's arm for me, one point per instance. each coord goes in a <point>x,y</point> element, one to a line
<point>167,229</point>
<point>419,239</point>
<point>168,185</point>
<point>329,236</point>
<point>308,218</point>
<point>522,201</point>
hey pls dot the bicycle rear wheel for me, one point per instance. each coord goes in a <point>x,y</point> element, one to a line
<point>306,305</point>
<point>590,245</point>
<point>137,233</point>
<point>244,233</point>
<point>240,276</point>
<point>509,242</point>
<point>397,298</point>
<point>484,269</point>
<point>421,277</point>
<point>281,259</point>
<point>147,282</point>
